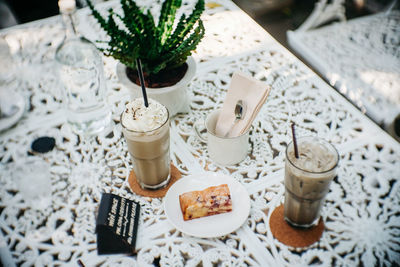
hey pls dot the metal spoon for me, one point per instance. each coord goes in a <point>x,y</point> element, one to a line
<point>240,110</point>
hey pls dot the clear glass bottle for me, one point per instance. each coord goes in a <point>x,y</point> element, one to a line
<point>80,69</point>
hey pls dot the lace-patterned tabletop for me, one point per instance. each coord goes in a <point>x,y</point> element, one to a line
<point>361,59</point>
<point>361,212</point>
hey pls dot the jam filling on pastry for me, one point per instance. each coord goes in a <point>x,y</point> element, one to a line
<point>210,201</point>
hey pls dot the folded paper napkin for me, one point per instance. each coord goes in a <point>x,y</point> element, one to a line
<point>252,93</point>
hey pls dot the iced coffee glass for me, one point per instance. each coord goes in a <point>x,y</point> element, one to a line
<point>307,180</point>
<point>146,131</point>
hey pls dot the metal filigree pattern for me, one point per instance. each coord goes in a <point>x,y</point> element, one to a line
<point>361,211</point>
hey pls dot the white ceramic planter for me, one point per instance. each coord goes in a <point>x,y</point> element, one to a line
<point>175,97</point>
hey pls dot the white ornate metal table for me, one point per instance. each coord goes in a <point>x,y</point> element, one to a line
<point>361,213</point>
<point>359,57</point>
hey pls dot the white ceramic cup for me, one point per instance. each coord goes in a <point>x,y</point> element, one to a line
<point>33,179</point>
<point>222,150</point>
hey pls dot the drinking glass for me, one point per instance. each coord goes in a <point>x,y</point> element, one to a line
<point>7,65</point>
<point>307,180</point>
<point>150,154</point>
<point>33,182</point>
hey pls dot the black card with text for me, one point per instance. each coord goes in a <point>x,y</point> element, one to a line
<point>117,224</point>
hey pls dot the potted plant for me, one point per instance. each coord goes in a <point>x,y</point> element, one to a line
<point>164,49</point>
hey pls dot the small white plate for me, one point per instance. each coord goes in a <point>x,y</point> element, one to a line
<point>18,100</point>
<point>210,226</point>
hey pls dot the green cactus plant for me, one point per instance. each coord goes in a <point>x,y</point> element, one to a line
<point>160,47</point>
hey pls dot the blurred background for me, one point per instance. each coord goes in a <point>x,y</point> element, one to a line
<point>276,16</point>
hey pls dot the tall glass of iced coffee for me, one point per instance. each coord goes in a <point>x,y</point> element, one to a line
<point>146,131</point>
<point>307,179</point>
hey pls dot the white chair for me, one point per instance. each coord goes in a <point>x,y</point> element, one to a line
<point>359,57</point>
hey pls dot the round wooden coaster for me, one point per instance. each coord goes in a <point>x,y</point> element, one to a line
<point>135,187</point>
<point>292,236</point>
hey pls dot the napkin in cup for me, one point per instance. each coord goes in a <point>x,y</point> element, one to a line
<point>252,93</point>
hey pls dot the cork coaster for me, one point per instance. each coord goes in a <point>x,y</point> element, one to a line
<point>135,187</point>
<point>292,236</point>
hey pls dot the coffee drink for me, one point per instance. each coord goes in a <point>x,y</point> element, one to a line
<point>146,131</point>
<point>307,180</point>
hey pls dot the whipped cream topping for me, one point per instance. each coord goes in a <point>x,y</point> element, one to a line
<point>139,118</point>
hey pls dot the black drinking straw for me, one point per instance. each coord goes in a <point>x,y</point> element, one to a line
<point>296,151</point>
<point>140,72</point>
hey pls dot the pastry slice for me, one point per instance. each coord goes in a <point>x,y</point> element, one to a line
<point>210,201</point>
